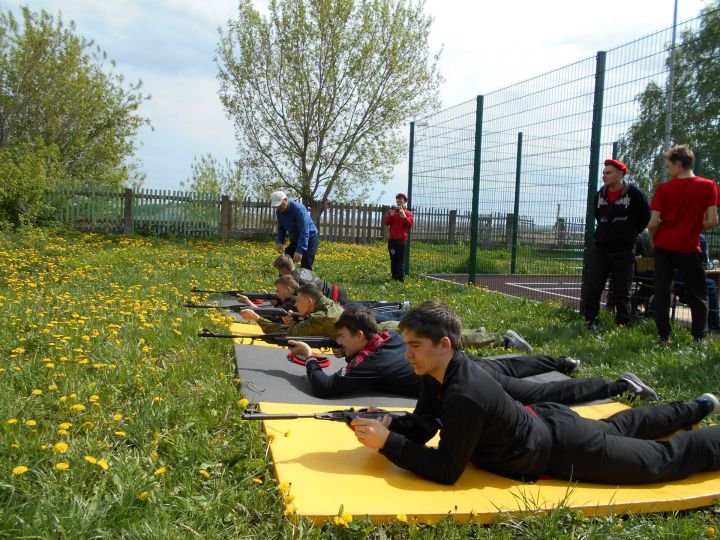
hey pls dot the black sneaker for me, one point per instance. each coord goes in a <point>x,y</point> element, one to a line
<point>711,400</point>
<point>513,340</point>
<point>569,365</point>
<point>638,388</point>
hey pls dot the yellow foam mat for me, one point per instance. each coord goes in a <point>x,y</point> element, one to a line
<point>327,469</point>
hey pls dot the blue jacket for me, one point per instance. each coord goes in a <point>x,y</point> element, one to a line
<point>296,223</point>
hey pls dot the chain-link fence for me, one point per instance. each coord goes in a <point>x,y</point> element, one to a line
<point>502,182</point>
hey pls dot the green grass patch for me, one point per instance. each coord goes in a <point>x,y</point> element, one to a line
<point>128,424</point>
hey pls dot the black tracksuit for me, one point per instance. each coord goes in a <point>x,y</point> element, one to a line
<point>618,225</point>
<point>480,423</point>
<point>381,367</point>
<point>330,290</point>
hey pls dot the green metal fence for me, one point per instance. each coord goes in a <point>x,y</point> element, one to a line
<point>509,175</point>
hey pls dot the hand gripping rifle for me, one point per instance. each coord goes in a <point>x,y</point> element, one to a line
<point>317,342</point>
<point>274,313</point>
<point>251,295</point>
<point>345,415</point>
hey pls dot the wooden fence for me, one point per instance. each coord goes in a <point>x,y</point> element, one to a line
<point>190,214</point>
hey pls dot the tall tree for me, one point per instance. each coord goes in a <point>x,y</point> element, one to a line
<point>61,88</point>
<point>211,177</point>
<point>318,90</point>
<point>696,107</point>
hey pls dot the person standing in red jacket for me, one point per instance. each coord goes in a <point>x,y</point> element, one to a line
<point>399,219</point>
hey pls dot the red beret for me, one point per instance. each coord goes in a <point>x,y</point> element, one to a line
<point>619,165</point>
<point>401,196</point>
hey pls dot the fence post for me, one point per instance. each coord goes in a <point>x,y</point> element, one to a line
<point>225,206</point>
<point>452,225</point>
<point>516,208</point>
<point>385,230</point>
<point>472,271</point>
<point>127,212</point>
<point>595,142</point>
<point>409,191</point>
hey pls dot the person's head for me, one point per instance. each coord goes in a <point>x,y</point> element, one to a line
<point>279,200</point>
<point>308,298</point>
<point>355,327</point>
<point>285,287</point>
<point>401,199</point>
<point>284,264</point>
<point>613,173</point>
<point>431,332</point>
<point>679,160</point>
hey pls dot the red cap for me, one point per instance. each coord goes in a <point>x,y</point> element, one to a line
<point>619,165</point>
<point>401,196</point>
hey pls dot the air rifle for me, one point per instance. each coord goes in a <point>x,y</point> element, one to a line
<point>267,312</point>
<point>345,415</point>
<point>251,295</point>
<point>318,342</point>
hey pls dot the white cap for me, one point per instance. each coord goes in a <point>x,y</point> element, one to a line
<point>276,197</point>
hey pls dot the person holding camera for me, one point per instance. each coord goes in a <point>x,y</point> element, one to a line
<point>399,219</point>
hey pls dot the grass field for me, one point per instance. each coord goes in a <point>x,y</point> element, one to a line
<point>118,422</point>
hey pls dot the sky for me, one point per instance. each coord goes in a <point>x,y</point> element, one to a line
<point>170,46</point>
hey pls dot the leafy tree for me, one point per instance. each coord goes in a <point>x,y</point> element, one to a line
<point>696,107</point>
<point>54,85</point>
<point>28,172</point>
<point>319,89</point>
<point>211,177</point>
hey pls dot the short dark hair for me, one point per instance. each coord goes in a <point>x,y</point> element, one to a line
<point>683,154</point>
<point>284,262</point>
<point>356,319</point>
<point>288,281</point>
<point>434,320</point>
<point>311,291</point>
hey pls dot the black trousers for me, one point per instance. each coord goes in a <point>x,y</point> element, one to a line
<point>691,269</point>
<point>600,264</point>
<point>397,249</point>
<point>507,370</point>
<point>620,449</point>
<point>308,258</point>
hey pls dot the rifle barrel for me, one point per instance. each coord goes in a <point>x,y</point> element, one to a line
<point>257,415</point>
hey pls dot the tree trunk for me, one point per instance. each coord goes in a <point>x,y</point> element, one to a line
<point>316,210</point>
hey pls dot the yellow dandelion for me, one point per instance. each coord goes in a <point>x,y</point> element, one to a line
<point>31,423</point>
<point>62,432</point>
<point>258,481</point>
<point>64,425</point>
<point>60,448</point>
<point>90,459</point>
<point>49,365</point>
<point>160,471</point>
<point>289,510</point>
<point>77,407</point>
<point>117,417</point>
<point>143,496</point>
<point>62,399</point>
<point>157,399</point>
<point>243,403</point>
<point>103,464</point>
<point>20,469</point>
<point>204,473</point>
<point>120,433</point>
<point>401,517</point>
<point>710,532</point>
<point>347,517</point>
<point>52,387</point>
<point>88,425</point>
<point>94,398</point>
<point>37,392</point>
<point>339,521</point>
<point>12,421</point>
<point>14,445</point>
<point>62,466</point>
<point>86,338</point>
<point>154,455</point>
